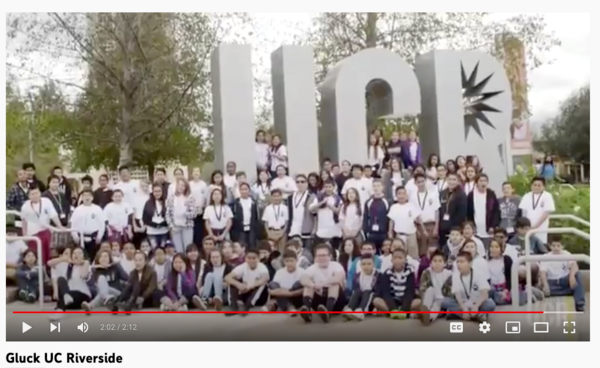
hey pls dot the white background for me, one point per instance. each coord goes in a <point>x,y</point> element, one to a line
<point>347,354</point>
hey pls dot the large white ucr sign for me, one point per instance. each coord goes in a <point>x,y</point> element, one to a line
<point>464,99</point>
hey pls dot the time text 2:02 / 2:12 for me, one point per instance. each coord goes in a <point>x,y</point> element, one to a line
<point>118,327</point>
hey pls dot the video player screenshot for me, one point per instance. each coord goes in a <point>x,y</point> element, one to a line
<point>174,187</point>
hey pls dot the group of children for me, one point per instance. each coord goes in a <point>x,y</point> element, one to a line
<point>394,239</point>
<point>353,281</point>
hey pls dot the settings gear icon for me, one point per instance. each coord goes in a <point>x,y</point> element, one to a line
<point>484,327</point>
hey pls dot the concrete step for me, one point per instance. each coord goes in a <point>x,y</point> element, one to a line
<point>11,294</point>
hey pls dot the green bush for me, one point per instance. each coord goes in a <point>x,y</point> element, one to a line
<point>569,200</point>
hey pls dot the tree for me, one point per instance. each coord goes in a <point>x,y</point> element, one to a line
<point>146,93</point>
<point>568,134</point>
<point>336,36</point>
<point>28,121</point>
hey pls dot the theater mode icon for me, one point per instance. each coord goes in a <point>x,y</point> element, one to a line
<point>456,327</point>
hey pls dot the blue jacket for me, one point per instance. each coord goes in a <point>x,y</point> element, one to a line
<point>379,219</point>
<point>352,271</point>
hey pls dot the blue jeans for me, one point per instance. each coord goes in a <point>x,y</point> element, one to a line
<point>451,305</point>
<point>158,240</point>
<point>213,287</point>
<point>561,287</point>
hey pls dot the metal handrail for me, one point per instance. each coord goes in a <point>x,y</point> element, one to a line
<point>570,217</point>
<point>529,258</point>
<point>539,258</point>
<point>53,228</point>
<point>38,244</point>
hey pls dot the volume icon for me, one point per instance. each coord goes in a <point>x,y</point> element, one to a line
<point>83,327</point>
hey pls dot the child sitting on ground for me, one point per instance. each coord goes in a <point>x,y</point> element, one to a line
<point>434,285</point>
<point>28,277</point>
<point>363,288</point>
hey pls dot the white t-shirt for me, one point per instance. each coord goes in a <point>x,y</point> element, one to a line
<point>375,155</point>
<point>286,184</point>
<point>480,209</point>
<point>363,186</point>
<point>88,220</point>
<point>126,264</point>
<point>534,206</point>
<point>470,286</point>
<point>323,276</point>
<point>287,279</point>
<point>468,187</point>
<point>327,228</point>
<point>261,191</point>
<point>496,269</point>
<point>511,251</point>
<point>404,217</point>
<point>117,214</point>
<point>38,216</point>
<point>349,218</point>
<point>428,203</point>
<point>14,251</point>
<point>281,151</point>
<point>248,275</point>
<point>217,216</point>
<point>230,181</point>
<point>397,180</point>
<point>199,191</point>
<point>130,189</point>
<point>76,282</point>
<point>441,184</point>
<point>276,216</point>
<point>261,154</point>
<point>556,269</point>
<point>298,208</point>
<point>139,203</point>
<point>246,204</point>
<point>411,187</point>
<point>479,265</point>
<point>179,211</point>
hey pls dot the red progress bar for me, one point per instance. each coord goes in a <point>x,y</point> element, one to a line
<point>258,312</point>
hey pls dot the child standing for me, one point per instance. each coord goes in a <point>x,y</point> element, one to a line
<point>434,285</point>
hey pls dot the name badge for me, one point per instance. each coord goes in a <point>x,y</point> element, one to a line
<point>446,217</point>
<point>87,238</point>
<point>18,223</point>
<point>157,219</point>
<point>375,227</point>
<point>246,227</point>
<point>510,230</point>
<point>63,216</point>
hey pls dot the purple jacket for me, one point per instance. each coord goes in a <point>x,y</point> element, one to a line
<point>188,285</point>
<point>406,160</point>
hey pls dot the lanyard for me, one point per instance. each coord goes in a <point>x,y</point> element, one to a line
<point>535,203</point>
<point>157,213</point>
<point>441,187</point>
<point>277,212</point>
<point>24,189</point>
<point>470,284</point>
<point>469,187</point>
<point>220,215</point>
<point>448,199</point>
<point>422,205</point>
<point>263,189</point>
<point>38,213</point>
<point>297,202</point>
<point>58,202</point>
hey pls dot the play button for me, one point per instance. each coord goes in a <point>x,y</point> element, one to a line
<point>26,327</point>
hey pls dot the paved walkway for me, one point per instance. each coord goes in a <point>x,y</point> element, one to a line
<point>280,327</point>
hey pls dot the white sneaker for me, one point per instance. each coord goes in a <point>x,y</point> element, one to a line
<point>68,299</point>
<point>163,307</point>
<point>358,315</point>
<point>183,308</point>
<point>347,313</point>
<point>56,316</point>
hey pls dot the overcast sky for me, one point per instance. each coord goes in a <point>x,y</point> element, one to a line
<point>569,66</point>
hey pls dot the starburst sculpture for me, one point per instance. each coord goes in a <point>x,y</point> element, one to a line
<point>474,101</point>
